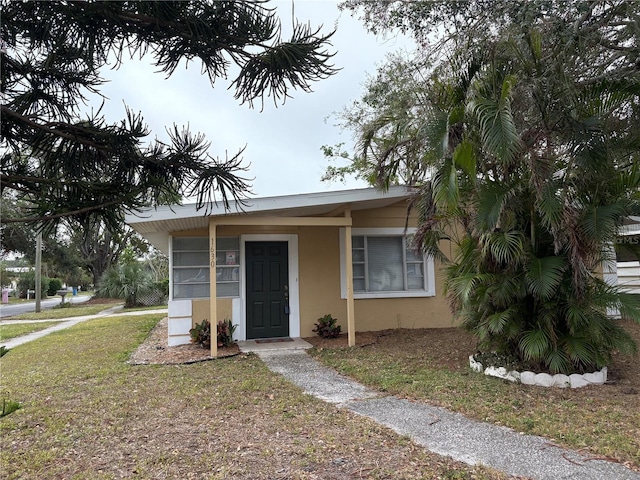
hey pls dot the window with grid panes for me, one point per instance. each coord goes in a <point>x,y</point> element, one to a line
<point>191,267</point>
<point>386,264</point>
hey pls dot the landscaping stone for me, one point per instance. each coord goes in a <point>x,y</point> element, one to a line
<point>475,366</point>
<point>542,379</point>
<point>528,378</point>
<point>578,381</point>
<point>561,381</point>
<point>597,378</point>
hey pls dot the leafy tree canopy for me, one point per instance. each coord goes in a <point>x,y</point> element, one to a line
<point>517,122</point>
<point>52,54</point>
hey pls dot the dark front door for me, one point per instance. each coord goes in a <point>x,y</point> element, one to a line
<point>267,289</point>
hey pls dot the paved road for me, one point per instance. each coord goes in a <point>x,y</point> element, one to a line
<point>17,309</point>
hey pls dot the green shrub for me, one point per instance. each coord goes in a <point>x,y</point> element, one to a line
<point>127,281</point>
<point>201,334</point>
<point>326,327</point>
<point>28,282</point>
<point>225,333</point>
<point>3,351</point>
<point>163,286</point>
<point>55,284</point>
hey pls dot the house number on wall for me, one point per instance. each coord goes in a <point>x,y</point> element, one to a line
<point>212,253</point>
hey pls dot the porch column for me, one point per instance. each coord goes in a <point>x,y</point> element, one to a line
<point>351,321</point>
<point>213,303</point>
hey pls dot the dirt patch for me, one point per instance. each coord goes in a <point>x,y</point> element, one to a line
<point>155,350</point>
<point>448,347</point>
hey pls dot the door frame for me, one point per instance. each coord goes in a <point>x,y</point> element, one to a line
<point>294,292</point>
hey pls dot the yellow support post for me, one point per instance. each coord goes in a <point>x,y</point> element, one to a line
<point>213,294</point>
<point>351,321</point>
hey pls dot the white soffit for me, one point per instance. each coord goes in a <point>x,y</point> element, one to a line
<point>186,217</point>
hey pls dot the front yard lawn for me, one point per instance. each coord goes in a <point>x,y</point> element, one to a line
<point>72,310</point>
<point>86,413</point>
<point>18,329</point>
<point>432,365</point>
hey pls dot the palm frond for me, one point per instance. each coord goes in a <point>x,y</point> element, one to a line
<point>534,344</point>
<point>557,361</point>
<point>544,275</point>
<point>496,323</point>
<point>600,223</point>
<point>504,247</point>
<point>491,200</point>
<point>497,127</point>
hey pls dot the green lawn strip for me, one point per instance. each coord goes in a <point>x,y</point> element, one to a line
<point>86,413</point>
<point>142,309</point>
<point>605,425</point>
<point>72,311</point>
<point>19,329</point>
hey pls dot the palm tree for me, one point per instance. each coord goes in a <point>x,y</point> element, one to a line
<point>517,124</point>
<point>533,194</point>
<point>128,280</point>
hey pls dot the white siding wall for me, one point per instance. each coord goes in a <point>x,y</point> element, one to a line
<point>629,276</point>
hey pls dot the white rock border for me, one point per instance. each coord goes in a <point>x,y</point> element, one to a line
<point>542,379</point>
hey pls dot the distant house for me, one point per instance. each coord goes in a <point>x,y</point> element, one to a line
<point>280,263</point>
<point>628,266</point>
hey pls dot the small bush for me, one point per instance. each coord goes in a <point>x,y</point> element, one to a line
<point>225,333</point>
<point>55,284</point>
<point>9,406</point>
<point>326,327</point>
<point>28,282</point>
<point>201,334</point>
<point>3,351</point>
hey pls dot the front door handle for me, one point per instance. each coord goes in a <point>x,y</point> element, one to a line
<point>287,310</point>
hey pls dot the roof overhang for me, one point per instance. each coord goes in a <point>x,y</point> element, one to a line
<point>157,224</point>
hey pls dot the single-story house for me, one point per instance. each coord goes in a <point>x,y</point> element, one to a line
<point>281,263</point>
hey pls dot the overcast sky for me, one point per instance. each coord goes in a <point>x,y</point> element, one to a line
<point>283,143</point>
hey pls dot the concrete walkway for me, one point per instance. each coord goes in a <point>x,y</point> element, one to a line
<point>442,431</point>
<point>66,323</point>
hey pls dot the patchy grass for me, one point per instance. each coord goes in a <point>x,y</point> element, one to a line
<point>86,413</point>
<point>75,310</point>
<point>432,365</point>
<point>17,330</point>
<point>142,309</point>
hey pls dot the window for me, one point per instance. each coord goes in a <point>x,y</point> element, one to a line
<point>385,265</point>
<point>228,267</point>
<point>191,267</point>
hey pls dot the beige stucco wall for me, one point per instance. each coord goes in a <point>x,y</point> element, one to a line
<point>200,308</point>
<point>319,260</point>
<point>319,264</point>
<point>319,279</point>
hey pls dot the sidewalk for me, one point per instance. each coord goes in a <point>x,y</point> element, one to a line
<point>66,323</point>
<point>442,431</point>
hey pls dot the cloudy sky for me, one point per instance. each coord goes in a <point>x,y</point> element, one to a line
<point>283,143</point>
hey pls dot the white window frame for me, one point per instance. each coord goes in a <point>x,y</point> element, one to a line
<point>428,266</point>
<point>203,266</point>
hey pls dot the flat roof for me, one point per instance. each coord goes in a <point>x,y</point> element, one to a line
<point>155,224</point>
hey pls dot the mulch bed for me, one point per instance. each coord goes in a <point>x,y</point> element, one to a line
<point>155,350</point>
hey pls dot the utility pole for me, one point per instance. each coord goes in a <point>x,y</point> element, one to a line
<point>38,291</point>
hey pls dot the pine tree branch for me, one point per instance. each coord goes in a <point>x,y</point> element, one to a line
<point>47,218</point>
